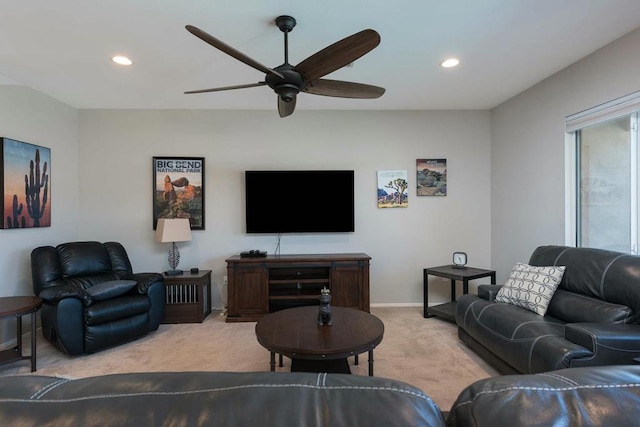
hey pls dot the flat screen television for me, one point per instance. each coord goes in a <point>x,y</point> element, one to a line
<point>302,201</point>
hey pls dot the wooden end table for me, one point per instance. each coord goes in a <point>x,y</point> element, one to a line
<point>18,307</point>
<point>295,333</point>
<point>187,297</point>
<point>463,274</point>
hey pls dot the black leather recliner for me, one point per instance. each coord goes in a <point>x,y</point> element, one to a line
<point>91,297</point>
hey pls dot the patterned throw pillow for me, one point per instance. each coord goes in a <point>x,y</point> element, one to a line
<point>531,287</point>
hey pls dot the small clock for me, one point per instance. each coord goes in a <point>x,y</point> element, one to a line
<point>459,259</point>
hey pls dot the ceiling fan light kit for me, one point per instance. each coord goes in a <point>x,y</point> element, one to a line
<point>287,81</point>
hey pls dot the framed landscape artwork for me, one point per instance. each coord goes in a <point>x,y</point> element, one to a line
<point>178,189</point>
<point>392,189</point>
<point>25,184</point>
<point>431,177</point>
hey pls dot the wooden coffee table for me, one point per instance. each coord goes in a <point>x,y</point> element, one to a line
<point>295,333</point>
<point>17,307</point>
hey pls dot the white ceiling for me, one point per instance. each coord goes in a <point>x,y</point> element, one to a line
<point>63,48</point>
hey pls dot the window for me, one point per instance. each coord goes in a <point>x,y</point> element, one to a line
<point>604,160</point>
<point>606,170</point>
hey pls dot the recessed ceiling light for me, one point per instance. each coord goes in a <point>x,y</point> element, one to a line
<point>451,62</point>
<point>122,60</point>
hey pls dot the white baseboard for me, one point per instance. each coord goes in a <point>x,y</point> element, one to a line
<point>396,304</point>
<point>13,343</point>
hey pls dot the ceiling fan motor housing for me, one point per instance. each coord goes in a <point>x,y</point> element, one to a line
<point>286,88</point>
<point>285,23</point>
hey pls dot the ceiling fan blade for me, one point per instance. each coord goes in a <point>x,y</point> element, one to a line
<point>286,108</point>
<point>338,55</point>
<point>342,89</point>
<point>218,89</point>
<point>218,44</point>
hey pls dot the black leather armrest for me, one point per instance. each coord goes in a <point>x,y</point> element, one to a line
<point>596,396</point>
<point>54,294</point>
<point>488,292</point>
<point>611,343</point>
<point>145,280</point>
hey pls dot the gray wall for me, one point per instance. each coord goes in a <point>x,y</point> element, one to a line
<point>116,148</point>
<point>528,149</point>
<point>29,116</point>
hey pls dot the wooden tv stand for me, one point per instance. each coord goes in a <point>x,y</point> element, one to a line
<point>258,286</point>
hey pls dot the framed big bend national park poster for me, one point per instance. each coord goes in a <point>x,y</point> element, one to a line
<point>25,184</point>
<point>178,189</point>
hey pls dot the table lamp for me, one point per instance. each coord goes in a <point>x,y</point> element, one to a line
<point>173,230</point>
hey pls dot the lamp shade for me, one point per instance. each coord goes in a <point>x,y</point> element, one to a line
<point>173,230</point>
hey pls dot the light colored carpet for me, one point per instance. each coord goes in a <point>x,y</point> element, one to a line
<point>423,352</point>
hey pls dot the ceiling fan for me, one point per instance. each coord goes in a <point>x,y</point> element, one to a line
<point>288,80</point>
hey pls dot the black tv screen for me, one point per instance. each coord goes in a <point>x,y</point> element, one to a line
<point>310,201</point>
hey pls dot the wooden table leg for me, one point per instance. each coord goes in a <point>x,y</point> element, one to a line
<point>425,294</point>
<point>355,359</point>
<point>370,363</point>
<point>19,335</point>
<point>272,361</point>
<point>281,360</point>
<point>465,286</point>
<point>33,341</point>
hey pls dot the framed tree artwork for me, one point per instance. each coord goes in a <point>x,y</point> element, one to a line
<point>392,189</point>
<point>178,189</point>
<point>25,184</point>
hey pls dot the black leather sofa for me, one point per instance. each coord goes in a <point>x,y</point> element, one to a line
<point>595,396</point>
<point>193,399</point>
<point>91,297</point>
<point>592,319</point>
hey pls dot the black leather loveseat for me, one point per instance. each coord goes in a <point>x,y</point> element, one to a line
<point>592,319</point>
<point>595,396</point>
<point>91,298</point>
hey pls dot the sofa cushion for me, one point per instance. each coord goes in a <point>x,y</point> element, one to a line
<point>110,289</point>
<point>525,341</point>
<point>114,309</point>
<point>597,273</point>
<point>531,287</point>
<point>83,258</point>
<point>98,337</point>
<point>576,308</point>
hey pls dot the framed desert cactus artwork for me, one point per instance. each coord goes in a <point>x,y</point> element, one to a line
<point>178,189</point>
<point>25,182</point>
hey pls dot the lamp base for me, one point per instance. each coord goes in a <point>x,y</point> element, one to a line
<point>173,272</point>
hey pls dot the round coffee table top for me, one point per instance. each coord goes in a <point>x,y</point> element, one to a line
<point>295,333</point>
<point>18,306</point>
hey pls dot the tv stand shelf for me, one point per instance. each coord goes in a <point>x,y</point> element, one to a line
<point>258,286</point>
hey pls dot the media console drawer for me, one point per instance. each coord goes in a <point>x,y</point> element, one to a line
<point>260,286</point>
